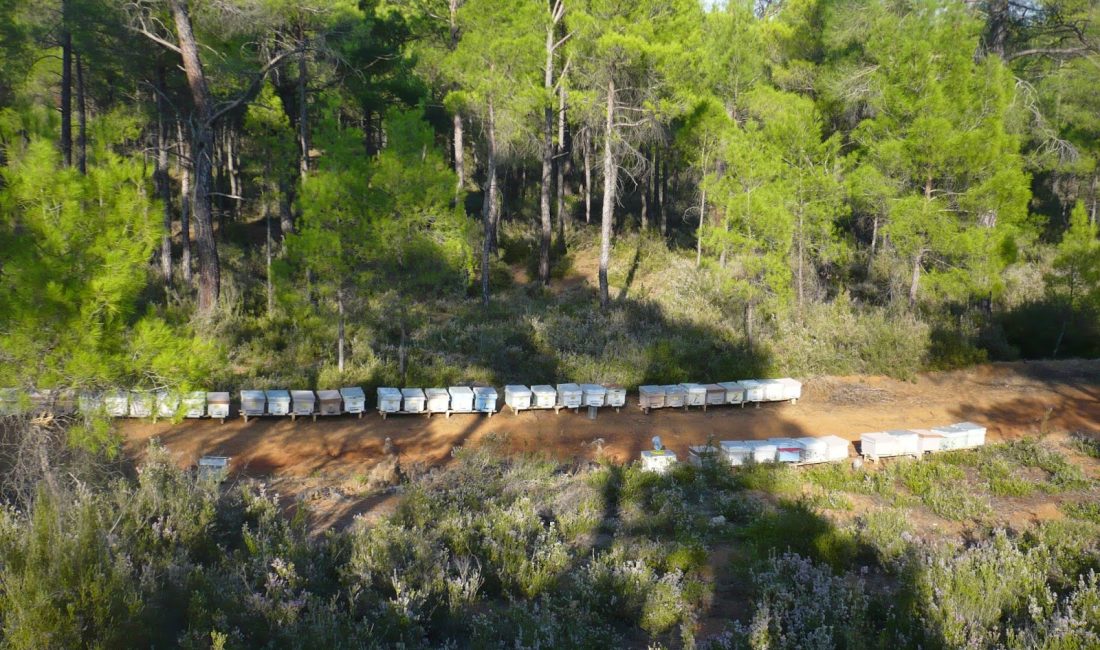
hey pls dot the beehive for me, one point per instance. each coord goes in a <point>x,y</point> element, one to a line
<point>908,442</point>
<point>89,402</point>
<point>972,434</point>
<point>544,396</point>
<point>879,444</point>
<point>787,450</point>
<point>754,390</point>
<point>814,450</point>
<point>517,397</point>
<point>675,396</point>
<point>142,403</point>
<point>11,401</point>
<point>485,399</point>
<point>330,402</point>
<point>213,467</point>
<point>930,441</point>
<point>413,400</point>
<point>194,405</point>
<point>735,392</point>
<point>389,400</point>
<point>764,451</point>
<point>773,390</point>
<point>278,402</point>
<point>117,403</point>
<point>303,403</point>
<point>593,395</point>
<point>462,399</point>
<point>253,403</point>
<point>716,395</point>
<point>659,461</point>
<point>437,400</point>
<point>616,396</point>
<point>837,447</point>
<point>700,455</point>
<point>168,403</point>
<point>217,404</point>
<point>694,394</point>
<point>791,389</point>
<point>651,397</point>
<point>570,396</point>
<point>737,452</point>
<point>355,400</point>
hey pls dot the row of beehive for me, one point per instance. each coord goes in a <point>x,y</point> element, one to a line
<point>746,391</point>
<point>455,399</point>
<point>824,449</point>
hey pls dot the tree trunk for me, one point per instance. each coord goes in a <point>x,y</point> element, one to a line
<point>286,210</point>
<point>662,194</point>
<point>488,208</point>
<point>587,176</point>
<point>164,186</point>
<point>699,234</point>
<point>874,240</point>
<point>268,251</point>
<point>916,278</point>
<point>304,143</point>
<point>547,163</point>
<point>340,330</point>
<point>81,119</point>
<point>748,323</point>
<point>643,223</point>
<point>202,146</point>
<point>66,95</point>
<point>460,154</point>
<point>800,258</point>
<point>609,181</point>
<point>563,158</point>
<point>185,167</point>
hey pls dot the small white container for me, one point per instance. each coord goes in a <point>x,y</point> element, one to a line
<point>616,396</point>
<point>543,396</point>
<point>168,403</point>
<point>694,394</point>
<point>194,404</point>
<point>11,401</point>
<point>355,400</point>
<point>737,452</point>
<point>485,399</point>
<point>437,400</point>
<point>975,433</point>
<point>570,396</point>
<point>814,450</point>
<point>593,395</point>
<point>331,403</point>
<point>142,404</point>
<point>754,390</point>
<point>773,390</point>
<point>930,441</point>
<point>764,451</point>
<point>837,448</point>
<point>787,450</point>
<point>462,399</point>
<point>215,467</point>
<point>389,400</point>
<point>278,402</point>
<point>735,392</point>
<point>658,461</point>
<point>792,390</point>
<point>89,403</point>
<point>253,403</point>
<point>716,395</point>
<point>879,444</point>
<point>117,403</point>
<point>675,396</point>
<point>302,403</point>
<point>651,397</point>
<point>517,397</point>
<point>908,442</point>
<point>413,400</point>
<point>217,404</point>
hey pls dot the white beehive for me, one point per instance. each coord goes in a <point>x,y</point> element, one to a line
<point>168,403</point>
<point>485,399</point>
<point>217,404</point>
<point>735,392</point>
<point>651,397</point>
<point>142,403</point>
<point>253,403</point>
<point>413,400</point>
<point>437,400</point>
<point>616,396</point>
<point>700,455</point>
<point>836,448</point>
<point>593,395</point>
<point>117,403</point>
<point>716,395</point>
<point>975,433</point>
<point>675,396</point>
<point>659,461</point>
<point>389,400</point>
<point>215,467</point>
<point>330,402</point>
<point>792,389</point>
<point>89,402</point>
<point>787,450</point>
<point>355,400</point>
<point>462,399</point>
<point>814,450</point>
<point>930,441</point>
<point>908,442</point>
<point>754,390</point>
<point>517,397</point>
<point>11,401</point>
<point>194,404</point>
<point>544,396</point>
<point>737,452</point>
<point>694,394</point>
<point>570,396</point>
<point>764,451</point>
<point>879,444</point>
<point>302,403</point>
<point>278,402</point>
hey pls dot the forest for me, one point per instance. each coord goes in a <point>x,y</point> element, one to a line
<point>228,194</point>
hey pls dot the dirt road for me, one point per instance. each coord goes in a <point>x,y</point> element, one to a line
<point>1011,399</point>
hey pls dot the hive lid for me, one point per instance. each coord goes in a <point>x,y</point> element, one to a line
<point>569,388</point>
<point>593,388</point>
<point>199,394</point>
<point>517,389</point>
<point>692,386</point>
<point>388,391</point>
<point>435,392</point>
<point>219,397</point>
<point>351,391</point>
<point>412,392</point>
<point>460,390</point>
<point>278,393</point>
<point>651,390</point>
<point>303,394</point>
<point>328,395</point>
<point>675,388</point>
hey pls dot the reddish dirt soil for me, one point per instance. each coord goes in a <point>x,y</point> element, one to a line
<point>1011,399</point>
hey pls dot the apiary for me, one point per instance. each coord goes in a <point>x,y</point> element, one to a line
<point>253,404</point>
<point>117,403</point>
<point>413,400</point>
<point>675,396</point>
<point>570,396</point>
<point>389,400</point>
<point>616,396</point>
<point>593,395</point>
<point>355,400</point>
<point>754,390</point>
<point>735,392</point>
<point>330,402</point>
<point>194,404</point>
<point>651,397</point>
<point>788,450</point>
<point>437,400</point>
<point>302,404</point>
<point>694,394</point>
<point>217,404</point>
<point>517,397</point>
<point>659,461</point>
<point>462,399</point>
<point>278,402</point>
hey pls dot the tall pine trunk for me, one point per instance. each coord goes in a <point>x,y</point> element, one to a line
<point>563,158</point>
<point>587,176</point>
<point>609,181</point>
<point>489,207</point>
<point>304,141</point>
<point>460,154</point>
<point>340,330</point>
<point>164,187</point>
<point>81,119</point>
<point>185,205</point>
<point>547,163</point>
<point>66,95</point>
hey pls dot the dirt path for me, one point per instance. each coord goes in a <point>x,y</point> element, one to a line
<point>1012,400</point>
